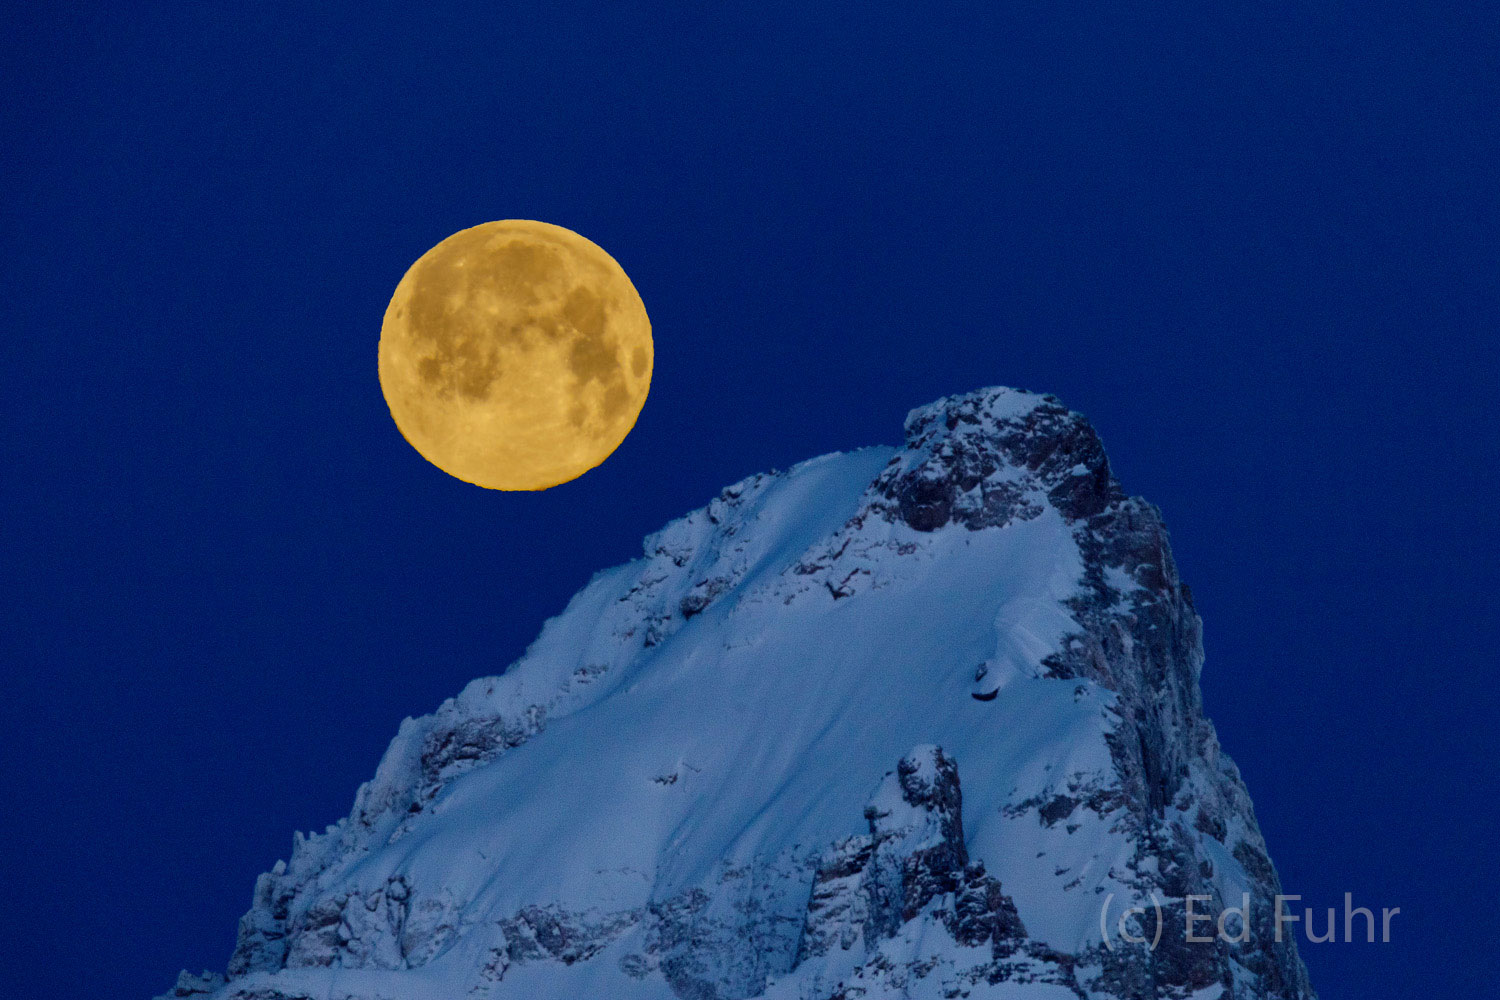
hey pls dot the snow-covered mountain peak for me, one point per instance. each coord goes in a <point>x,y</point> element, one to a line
<point>731,768</point>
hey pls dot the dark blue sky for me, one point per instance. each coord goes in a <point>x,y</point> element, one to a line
<point>1258,245</point>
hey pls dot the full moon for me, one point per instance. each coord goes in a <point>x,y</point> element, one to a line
<point>515,355</point>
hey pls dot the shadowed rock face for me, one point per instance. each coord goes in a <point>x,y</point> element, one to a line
<point>912,860</point>
<point>901,904</point>
<point>980,461</point>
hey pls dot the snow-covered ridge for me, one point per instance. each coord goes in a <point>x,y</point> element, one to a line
<point>731,768</point>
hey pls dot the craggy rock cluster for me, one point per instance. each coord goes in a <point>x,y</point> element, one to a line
<point>913,858</point>
<point>980,461</point>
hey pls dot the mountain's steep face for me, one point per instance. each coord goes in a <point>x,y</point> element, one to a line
<point>901,722</point>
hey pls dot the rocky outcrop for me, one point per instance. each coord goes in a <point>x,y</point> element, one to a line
<point>912,868</point>
<point>913,858</point>
<point>987,459</point>
<point>189,985</point>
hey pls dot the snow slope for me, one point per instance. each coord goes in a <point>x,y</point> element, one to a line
<point>689,785</point>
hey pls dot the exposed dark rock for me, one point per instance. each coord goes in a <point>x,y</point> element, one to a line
<point>979,461</point>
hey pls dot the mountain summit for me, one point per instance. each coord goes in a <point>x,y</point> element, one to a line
<point>914,722</point>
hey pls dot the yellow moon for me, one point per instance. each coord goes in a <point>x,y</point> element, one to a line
<point>515,355</point>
